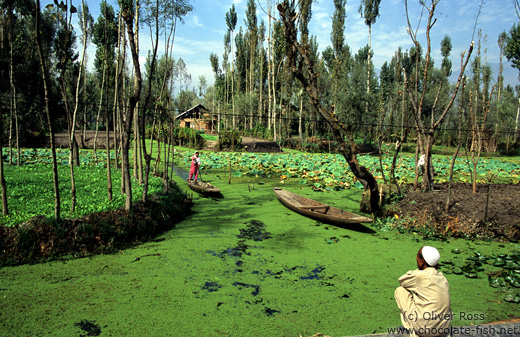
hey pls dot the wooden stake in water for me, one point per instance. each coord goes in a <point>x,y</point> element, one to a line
<point>487,205</point>
<point>229,181</point>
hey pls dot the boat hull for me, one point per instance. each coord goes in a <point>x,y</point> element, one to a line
<point>203,187</point>
<point>317,210</point>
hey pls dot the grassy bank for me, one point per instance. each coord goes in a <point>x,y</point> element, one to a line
<point>209,277</point>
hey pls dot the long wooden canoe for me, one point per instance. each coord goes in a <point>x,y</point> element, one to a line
<point>203,187</point>
<point>317,210</point>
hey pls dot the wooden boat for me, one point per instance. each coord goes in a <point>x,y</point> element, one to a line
<point>202,187</point>
<point>317,210</point>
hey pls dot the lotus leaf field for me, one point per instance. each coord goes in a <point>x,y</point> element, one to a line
<point>243,264</point>
<point>30,185</point>
<point>330,171</point>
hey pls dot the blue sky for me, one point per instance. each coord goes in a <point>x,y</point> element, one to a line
<point>204,29</point>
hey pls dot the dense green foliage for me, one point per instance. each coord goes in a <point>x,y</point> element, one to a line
<point>189,137</point>
<point>229,140</point>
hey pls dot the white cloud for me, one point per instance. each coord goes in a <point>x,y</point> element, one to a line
<point>195,21</point>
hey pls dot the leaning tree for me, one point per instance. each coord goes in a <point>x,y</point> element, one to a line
<point>302,68</point>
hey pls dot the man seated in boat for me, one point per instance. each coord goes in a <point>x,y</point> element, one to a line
<point>423,297</point>
<point>195,164</point>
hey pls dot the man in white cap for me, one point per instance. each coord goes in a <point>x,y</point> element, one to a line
<point>423,297</point>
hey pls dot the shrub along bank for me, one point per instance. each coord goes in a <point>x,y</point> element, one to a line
<point>41,238</point>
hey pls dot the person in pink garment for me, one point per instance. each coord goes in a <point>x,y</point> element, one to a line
<point>195,163</point>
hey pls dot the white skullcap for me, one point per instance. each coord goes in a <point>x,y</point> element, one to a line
<point>431,255</point>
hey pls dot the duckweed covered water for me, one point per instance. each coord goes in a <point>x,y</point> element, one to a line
<point>243,265</point>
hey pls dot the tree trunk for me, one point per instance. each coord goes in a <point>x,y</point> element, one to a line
<point>269,70</point>
<point>368,70</point>
<point>300,129</point>
<point>138,155</point>
<point>148,157</point>
<point>122,112</point>
<point>99,109</point>
<point>5,210</point>
<point>11,117</point>
<point>57,203</point>
<point>14,110</point>
<point>517,122</point>
<point>128,17</point>
<point>117,97</point>
<point>72,138</point>
<point>84,120</point>
<point>166,145</point>
<point>107,148</point>
<point>260,93</point>
<point>398,146</point>
<point>233,81</point>
<point>109,169</point>
<point>459,142</point>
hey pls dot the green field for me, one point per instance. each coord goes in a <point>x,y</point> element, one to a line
<point>209,277</point>
<point>31,192</point>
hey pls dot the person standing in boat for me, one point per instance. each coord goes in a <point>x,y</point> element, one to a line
<point>423,297</point>
<point>195,164</point>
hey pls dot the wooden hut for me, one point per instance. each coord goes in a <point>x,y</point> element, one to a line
<point>197,118</point>
<point>487,140</point>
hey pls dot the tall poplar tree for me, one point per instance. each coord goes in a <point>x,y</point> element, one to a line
<point>231,22</point>
<point>369,10</point>
<point>445,52</point>
<point>512,53</point>
<point>252,36</point>
<point>213,58</point>
<point>500,79</point>
<point>337,37</point>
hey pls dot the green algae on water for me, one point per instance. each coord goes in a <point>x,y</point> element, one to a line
<point>244,265</point>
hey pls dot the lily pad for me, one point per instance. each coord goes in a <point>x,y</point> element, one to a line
<point>499,262</point>
<point>471,275</point>
<point>457,271</point>
<point>495,283</point>
<point>510,298</point>
<point>509,279</point>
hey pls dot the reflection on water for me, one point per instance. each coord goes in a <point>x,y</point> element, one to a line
<point>182,172</point>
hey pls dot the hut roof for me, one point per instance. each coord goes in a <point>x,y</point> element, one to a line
<point>193,110</point>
